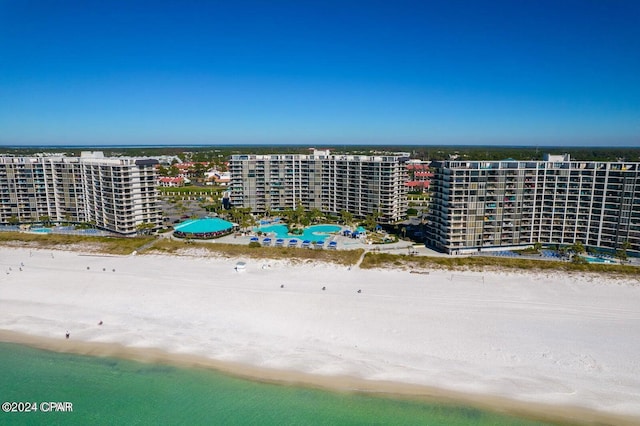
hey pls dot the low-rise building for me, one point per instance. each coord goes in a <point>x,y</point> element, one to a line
<point>419,176</point>
<point>171,182</point>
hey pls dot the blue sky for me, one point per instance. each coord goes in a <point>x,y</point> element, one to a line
<point>512,72</point>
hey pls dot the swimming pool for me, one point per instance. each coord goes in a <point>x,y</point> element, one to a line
<point>41,230</point>
<point>312,233</point>
<point>209,227</point>
<point>592,259</point>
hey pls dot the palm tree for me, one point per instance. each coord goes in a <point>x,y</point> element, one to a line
<point>198,170</point>
<point>578,248</point>
<point>46,220</point>
<point>288,215</point>
<point>622,253</point>
<point>314,214</point>
<point>299,213</point>
<point>371,221</point>
<point>347,217</point>
<point>145,228</point>
<point>246,221</point>
<point>173,171</point>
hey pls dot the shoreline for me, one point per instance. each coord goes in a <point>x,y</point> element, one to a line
<point>384,389</point>
<point>548,346</point>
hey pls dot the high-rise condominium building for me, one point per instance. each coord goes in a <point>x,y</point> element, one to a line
<point>358,184</point>
<point>478,205</point>
<point>115,194</point>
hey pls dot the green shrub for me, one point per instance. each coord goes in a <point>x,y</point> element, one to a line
<point>579,260</point>
<point>111,245</point>
<point>479,263</point>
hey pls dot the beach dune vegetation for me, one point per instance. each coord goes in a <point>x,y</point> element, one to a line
<point>95,244</point>
<point>142,244</point>
<point>480,263</point>
<point>341,257</point>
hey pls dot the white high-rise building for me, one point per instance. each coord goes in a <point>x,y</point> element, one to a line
<point>483,205</point>
<point>358,184</point>
<point>114,194</point>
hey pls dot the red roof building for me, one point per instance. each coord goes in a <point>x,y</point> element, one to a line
<point>419,176</point>
<point>171,181</point>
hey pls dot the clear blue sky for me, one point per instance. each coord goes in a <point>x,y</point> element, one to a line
<point>511,72</point>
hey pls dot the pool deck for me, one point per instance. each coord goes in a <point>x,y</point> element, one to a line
<point>348,243</point>
<point>343,243</point>
<point>400,247</point>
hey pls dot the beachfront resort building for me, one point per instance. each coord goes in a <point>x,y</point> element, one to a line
<point>484,205</point>
<point>114,194</point>
<point>332,183</point>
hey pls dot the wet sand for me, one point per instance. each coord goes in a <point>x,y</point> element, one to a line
<point>548,346</point>
<point>541,412</point>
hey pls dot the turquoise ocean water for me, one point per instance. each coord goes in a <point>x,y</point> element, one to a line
<point>108,391</point>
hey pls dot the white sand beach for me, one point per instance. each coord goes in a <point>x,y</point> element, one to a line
<point>554,339</point>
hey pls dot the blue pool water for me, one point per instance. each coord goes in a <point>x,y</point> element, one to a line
<point>312,233</point>
<point>41,230</point>
<point>202,226</point>
<point>592,259</point>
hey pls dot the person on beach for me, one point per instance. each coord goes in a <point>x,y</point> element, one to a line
<point>67,335</point>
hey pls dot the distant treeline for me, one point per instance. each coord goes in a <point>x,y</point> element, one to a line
<point>495,153</point>
<point>215,153</point>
